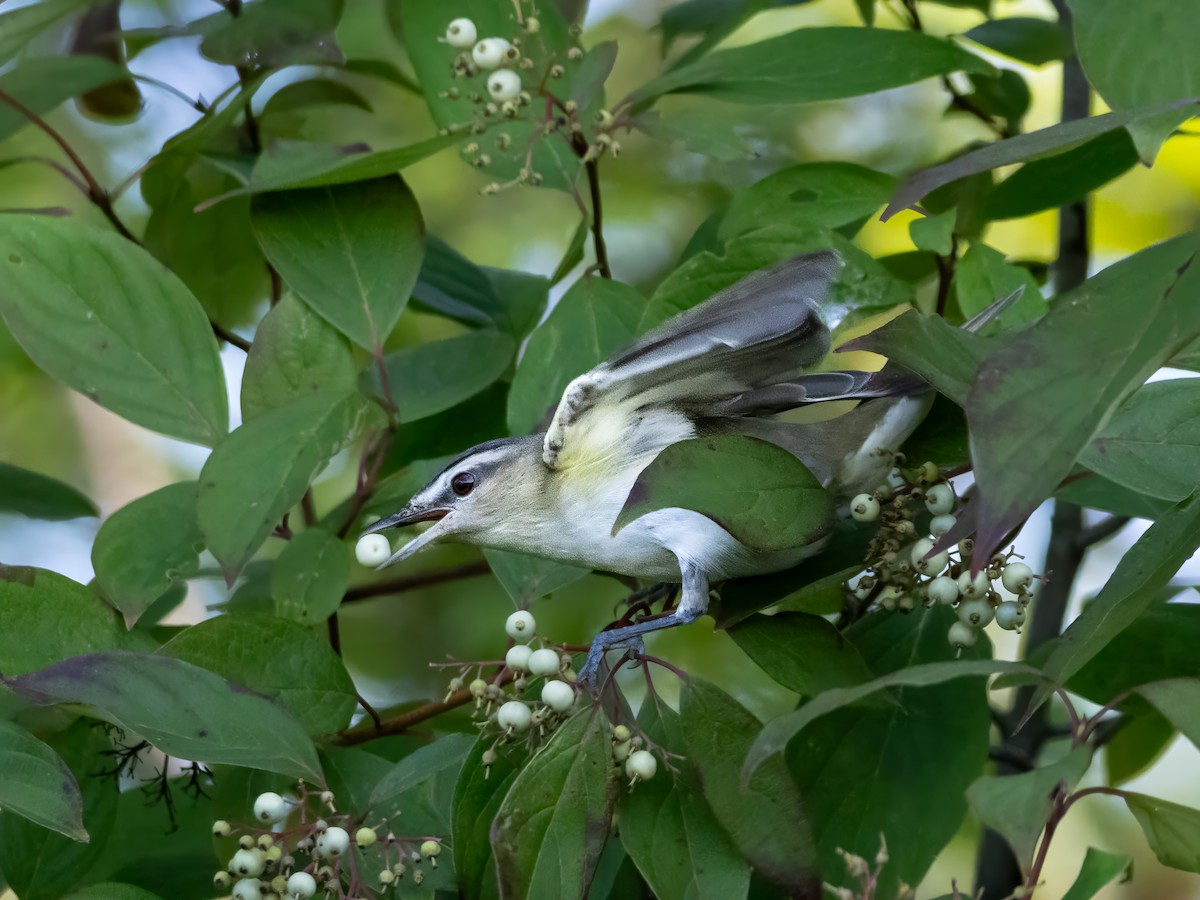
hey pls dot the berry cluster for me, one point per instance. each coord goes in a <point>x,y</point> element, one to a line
<point>903,570</point>
<point>640,764</point>
<point>866,875</point>
<point>300,846</point>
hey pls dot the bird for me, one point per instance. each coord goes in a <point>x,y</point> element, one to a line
<point>726,366</point>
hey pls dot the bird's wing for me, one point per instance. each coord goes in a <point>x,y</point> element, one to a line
<point>755,334</point>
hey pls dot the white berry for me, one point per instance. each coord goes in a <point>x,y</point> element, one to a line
<point>333,842</point>
<point>248,863</point>
<point>247,889</point>
<point>504,84</point>
<point>933,564</point>
<point>976,613</point>
<point>864,508</point>
<point>520,626</point>
<point>558,695</point>
<point>430,849</point>
<point>941,524</point>
<point>939,499</point>
<point>944,590</point>
<point>301,886</point>
<point>490,52</point>
<point>641,765</point>
<point>270,808</point>
<point>1010,615</point>
<point>515,715</point>
<point>973,588</point>
<point>517,657</point>
<point>372,549</point>
<point>461,33</point>
<point>1017,577</point>
<point>890,596</point>
<point>543,662</point>
<point>962,635</point>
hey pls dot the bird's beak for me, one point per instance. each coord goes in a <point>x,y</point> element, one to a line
<point>410,515</point>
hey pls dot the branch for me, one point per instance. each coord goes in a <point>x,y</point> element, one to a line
<point>415,582</point>
<point>404,721</point>
<point>1101,531</point>
<point>229,337</point>
<point>593,174</point>
<point>946,266</point>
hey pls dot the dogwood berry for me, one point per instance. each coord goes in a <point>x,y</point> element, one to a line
<point>939,499</point>
<point>430,849</point>
<point>221,828</point>
<point>372,549</point>
<point>1010,615</point>
<point>301,886</point>
<point>222,881</point>
<point>247,889</point>
<point>976,613</point>
<point>517,657</point>
<point>941,524</point>
<point>558,696</point>
<point>490,52</point>
<point>365,837</point>
<point>514,715</point>
<point>248,863</point>
<point>333,842</point>
<point>520,626</point>
<point>944,590</point>
<point>962,635</point>
<point>461,33</point>
<point>641,765</point>
<point>270,808</point>
<point>504,84</point>
<point>973,588</point>
<point>864,508</point>
<point>543,662</point>
<point>1017,577</point>
<point>931,565</point>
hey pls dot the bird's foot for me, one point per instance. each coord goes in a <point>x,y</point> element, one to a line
<point>589,675</point>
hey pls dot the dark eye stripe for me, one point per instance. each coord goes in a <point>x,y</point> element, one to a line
<point>462,483</point>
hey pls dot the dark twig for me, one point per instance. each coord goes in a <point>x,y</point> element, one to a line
<point>1102,531</point>
<point>593,175</point>
<point>230,337</point>
<point>415,582</point>
<point>308,509</point>
<point>946,266</point>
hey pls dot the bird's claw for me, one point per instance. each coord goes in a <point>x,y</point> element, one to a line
<point>589,675</point>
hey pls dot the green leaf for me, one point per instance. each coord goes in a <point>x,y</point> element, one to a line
<point>445,755</point>
<point>1171,830</point>
<point>274,33</point>
<point>934,233</point>
<point>1035,41</point>
<point>39,864</point>
<point>1142,572</point>
<point>352,773</point>
<point>1017,806</point>
<point>36,783</point>
<point>352,252</point>
<point>48,617</point>
<point>594,318</point>
<point>670,832</point>
<point>279,659</point>
<point>711,132</point>
<point>778,732</point>
<point>100,314</point>
<point>1061,179</point>
<point>1135,314</point>
<point>39,496</point>
<point>112,891</point>
<point>1099,493</point>
<point>42,83</point>
<point>263,470</point>
<point>1136,746</point>
<point>20,27</point>
<point>766,817</point>
<point>1006,95</point>
<point>145,547</point>
<point>1153,38</point>
<point>430,378</point>
<point>863,771</point>
<point>801,651</point>
<point>945,356</point>
<point>477,797</point>
<point>758,492</point>
<point>813,64</point>
<point>300,95</point>
<point>182,709</point>
<point>1032,145</point>
<point>1099,869</point>
<point>587,85</point>
<point>551,827</point>
<point>1152,443</point>
<point>295,354</point>
<point>983,277</point>
<point>1178,700</point>
<point>820,195</point>
<point>527,578</point>
<point>310,576</point>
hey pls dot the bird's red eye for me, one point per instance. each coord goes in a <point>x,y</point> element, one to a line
<point>462,483</point>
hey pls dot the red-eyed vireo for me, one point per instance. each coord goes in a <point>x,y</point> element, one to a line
<point>725,366</point>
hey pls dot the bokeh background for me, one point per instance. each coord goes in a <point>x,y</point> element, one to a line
<point>655,196</point>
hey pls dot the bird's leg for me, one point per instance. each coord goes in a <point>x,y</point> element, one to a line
<point>692,605</point>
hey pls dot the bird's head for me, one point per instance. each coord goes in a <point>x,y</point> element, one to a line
<point>475,494</point>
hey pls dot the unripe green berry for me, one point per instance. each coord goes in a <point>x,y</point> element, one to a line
<point>365,837</point>
<point>430,849</point>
